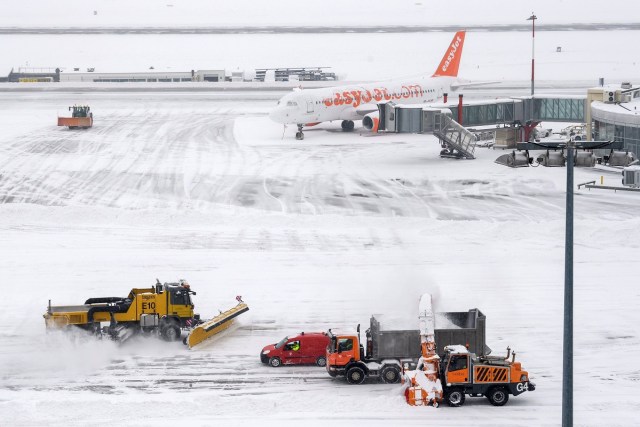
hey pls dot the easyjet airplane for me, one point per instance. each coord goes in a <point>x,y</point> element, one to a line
<point>358,102</point>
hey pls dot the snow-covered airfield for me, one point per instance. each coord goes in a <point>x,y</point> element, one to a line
<point>314,235</point>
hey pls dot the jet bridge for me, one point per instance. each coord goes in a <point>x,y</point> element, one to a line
<point>487,113</point>
<point>555,109</point>
<point>502,111</point>
<point>522,113</point>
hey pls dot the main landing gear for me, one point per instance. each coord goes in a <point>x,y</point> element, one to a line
<point>347,125</point>
<point>299,134</point>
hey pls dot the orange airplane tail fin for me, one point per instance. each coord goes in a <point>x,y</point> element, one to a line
<point>451,59</point>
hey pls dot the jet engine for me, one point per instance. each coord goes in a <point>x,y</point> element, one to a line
<point>370,121</point>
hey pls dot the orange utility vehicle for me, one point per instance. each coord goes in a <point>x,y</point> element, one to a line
<point>459,372</point>
<point>81,118</point>
<point>463,373</point>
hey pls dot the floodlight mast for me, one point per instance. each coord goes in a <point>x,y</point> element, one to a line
<point>567,342</point>
<point>533,18</point>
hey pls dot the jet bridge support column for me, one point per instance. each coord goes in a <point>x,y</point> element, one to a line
<point>460,109</point>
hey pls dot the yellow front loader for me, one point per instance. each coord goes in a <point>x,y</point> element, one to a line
<point>165,309</point>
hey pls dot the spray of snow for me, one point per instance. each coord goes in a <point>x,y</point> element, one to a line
<point>398,298</point>
<point>457,349</point>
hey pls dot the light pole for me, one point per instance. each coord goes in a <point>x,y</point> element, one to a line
<point>567,341</point>
<point>533,18</point>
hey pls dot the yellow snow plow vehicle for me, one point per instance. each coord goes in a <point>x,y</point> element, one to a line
<point>165,309</point>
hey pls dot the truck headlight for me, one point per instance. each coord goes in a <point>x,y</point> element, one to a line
<point>523,378</point>
<point>266,352</point>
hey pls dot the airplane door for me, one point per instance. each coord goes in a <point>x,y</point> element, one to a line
<point>309,107</point>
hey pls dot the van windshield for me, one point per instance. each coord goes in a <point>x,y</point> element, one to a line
<point>281,342</point>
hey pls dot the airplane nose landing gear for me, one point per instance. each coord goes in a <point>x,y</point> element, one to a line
<point>347,125</point>
<point>299,134</point>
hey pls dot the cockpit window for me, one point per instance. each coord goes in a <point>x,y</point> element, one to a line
<point>292,104</point>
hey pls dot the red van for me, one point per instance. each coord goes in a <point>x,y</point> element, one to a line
<point>304,349</point>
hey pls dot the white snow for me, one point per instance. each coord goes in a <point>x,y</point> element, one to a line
<point>314,235</point>
<point>430,386</point>
<point>457,349</point>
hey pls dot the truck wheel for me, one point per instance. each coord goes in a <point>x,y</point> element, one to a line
<point>170,332</point>
<point>498,396</point>
<point>321,361</point>
<point>275,362</point>
<point>390,375</point>
<point>455,397</point>
<point>355,375</point>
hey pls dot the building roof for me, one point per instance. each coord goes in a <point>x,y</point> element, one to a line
<point>627,113</point>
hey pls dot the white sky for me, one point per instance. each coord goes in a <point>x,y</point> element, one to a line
<point>80,13</point>
<point>586,55</point>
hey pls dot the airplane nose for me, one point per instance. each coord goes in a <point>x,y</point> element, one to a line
<point>276,114</point>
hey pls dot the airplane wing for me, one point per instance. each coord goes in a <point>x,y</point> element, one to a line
<point>365,109</point>
<point>460,84</point>
<point>357,113</point>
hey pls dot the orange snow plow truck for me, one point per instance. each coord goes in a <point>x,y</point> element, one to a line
<point>81,118</point>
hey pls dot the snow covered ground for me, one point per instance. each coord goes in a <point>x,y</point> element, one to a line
<point>314,235</point>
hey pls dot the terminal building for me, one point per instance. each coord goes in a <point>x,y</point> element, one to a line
<point>610,113</point>
<point>617,116</point>
<point>150,76</point>
<point>29,75</point>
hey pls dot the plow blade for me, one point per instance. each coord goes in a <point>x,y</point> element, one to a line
<point>213,326</point>
<point>76,122</point>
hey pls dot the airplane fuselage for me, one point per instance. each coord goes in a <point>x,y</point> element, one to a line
<point>352,102</point>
